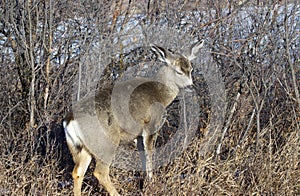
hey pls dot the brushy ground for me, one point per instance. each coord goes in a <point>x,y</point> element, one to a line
<point>260,152</point>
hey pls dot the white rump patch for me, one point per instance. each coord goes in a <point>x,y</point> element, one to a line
<point>73,134</point>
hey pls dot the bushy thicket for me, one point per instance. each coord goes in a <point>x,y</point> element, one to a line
<point>250,66</point>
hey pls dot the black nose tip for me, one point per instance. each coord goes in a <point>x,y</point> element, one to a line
<point>189,88</point>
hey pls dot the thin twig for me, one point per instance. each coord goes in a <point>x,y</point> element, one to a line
<point>248,127</point>
<point>228,122</point>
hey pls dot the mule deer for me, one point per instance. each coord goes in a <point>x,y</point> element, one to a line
<point>146,105</point>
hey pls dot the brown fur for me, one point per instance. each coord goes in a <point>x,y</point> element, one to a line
<point>147,104</point>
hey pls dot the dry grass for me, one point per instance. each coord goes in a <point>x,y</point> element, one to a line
<point>268,165</point>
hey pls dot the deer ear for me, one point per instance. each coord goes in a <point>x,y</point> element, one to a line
<point>161,53</point>
<point>194,50</point>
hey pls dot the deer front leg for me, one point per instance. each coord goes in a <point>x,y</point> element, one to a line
<point>141,148</point>
<point>148,141</point>
<point>145,146</point>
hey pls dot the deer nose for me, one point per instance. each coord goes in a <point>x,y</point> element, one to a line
<point>189,89</point>
<point>191,82</point>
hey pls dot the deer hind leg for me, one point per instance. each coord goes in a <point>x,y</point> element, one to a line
<point>82,160</point>
<point>102,174</point>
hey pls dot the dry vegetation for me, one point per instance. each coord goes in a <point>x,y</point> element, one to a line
<point>46,44</point>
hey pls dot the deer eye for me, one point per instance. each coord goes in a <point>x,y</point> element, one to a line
<point>179,73</point>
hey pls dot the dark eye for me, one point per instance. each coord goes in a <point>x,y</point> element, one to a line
<point>178,72</point>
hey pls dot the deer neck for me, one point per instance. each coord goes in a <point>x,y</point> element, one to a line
<point>171,89</point>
